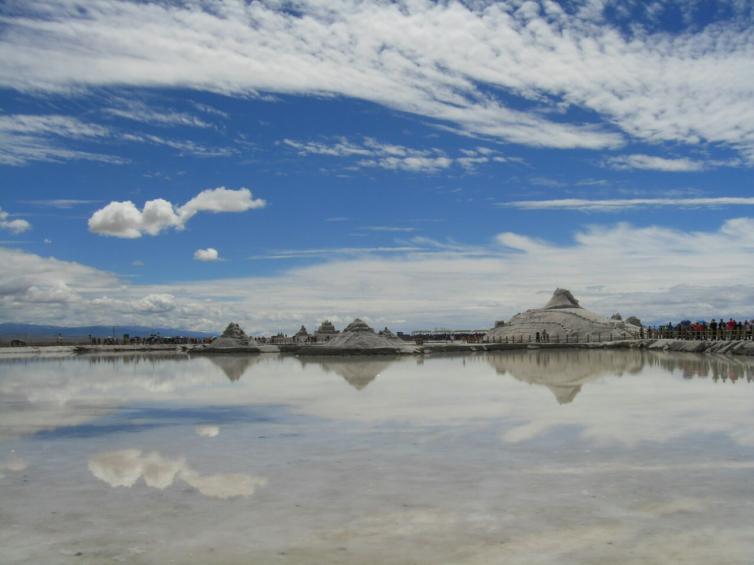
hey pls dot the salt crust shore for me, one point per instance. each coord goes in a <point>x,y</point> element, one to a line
<point>712,347</point>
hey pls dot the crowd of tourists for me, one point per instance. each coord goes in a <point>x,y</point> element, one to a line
<point>714,329</point>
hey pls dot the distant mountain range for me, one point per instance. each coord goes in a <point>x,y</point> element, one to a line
<point>31,330</point>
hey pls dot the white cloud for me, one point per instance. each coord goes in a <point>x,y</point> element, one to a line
<point>125,220</point>
<point>391,229</point>
<point>401,58</point>
<point>13,226</point>
<point>140,112</point>
<point>209,254</point>
<point>628,203</point>
<point>653,163</point>
<point>62,203</point>
<point>372,153</point>
<point>652,272</point>
<point>155,304</point>
<point>446,61</point>
<point>25,138</point>
<point>182,146</point>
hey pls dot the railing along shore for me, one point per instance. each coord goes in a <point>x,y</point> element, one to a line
<point>743,334</point>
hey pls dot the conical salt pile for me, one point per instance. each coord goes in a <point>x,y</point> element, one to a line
<point>232,339</point>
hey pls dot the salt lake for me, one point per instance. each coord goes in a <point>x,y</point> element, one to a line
<point>536,457</point>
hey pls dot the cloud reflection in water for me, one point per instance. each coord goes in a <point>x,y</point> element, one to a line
<point>124,467</point>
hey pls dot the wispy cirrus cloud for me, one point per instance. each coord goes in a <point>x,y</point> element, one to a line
<point>138,111</point>
<point>372,153</point>
<point>181,145</point>
<point>25,138</point>
<point>628,203</point>
<point>672,165</point>
<point>448,62</point>
<point>61,203</point>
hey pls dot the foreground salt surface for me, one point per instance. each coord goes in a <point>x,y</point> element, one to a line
<point>516,457</point>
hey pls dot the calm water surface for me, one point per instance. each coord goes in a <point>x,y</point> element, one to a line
<point>516,457</point>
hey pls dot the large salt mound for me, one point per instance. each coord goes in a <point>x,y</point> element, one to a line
<point>562,318</point>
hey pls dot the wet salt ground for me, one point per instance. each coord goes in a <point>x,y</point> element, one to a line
<point>518,457</point>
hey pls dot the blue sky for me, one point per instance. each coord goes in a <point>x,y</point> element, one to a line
<point>418,164</point>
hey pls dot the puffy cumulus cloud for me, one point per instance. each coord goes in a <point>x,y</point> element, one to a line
<point>209,254</point>
<point>220,200</point>
<point>652,272</point>
<point>122,468</point>
<point>125,220</point>
<point>13,226</point>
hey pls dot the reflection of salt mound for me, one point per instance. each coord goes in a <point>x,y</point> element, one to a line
<point>565,371</point>
<point>357,372</point>
<point>234,366</point>
<point>561,318</point>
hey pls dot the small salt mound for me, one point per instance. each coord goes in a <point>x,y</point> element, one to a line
<point>233,338</point>
<point>359,336</point>
<point>562,318</point>
<point>234,330</point>
<point>325,331</point>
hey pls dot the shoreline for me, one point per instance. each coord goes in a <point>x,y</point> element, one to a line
<point>736,347</point>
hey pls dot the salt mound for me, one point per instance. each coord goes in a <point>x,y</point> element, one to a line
<point>233,338</point>
<point>301,334</point>
<point>562,318</point>
<point>358,336</point>
<point>325,331</point>
<point>358,325</point>
<point>234,330</point>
